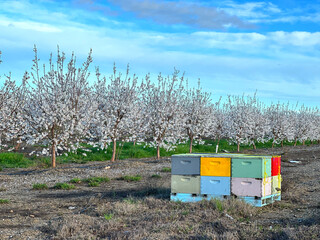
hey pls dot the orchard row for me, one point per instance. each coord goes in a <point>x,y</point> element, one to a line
<point>56,106</point>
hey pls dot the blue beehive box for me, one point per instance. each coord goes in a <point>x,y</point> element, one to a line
<point>215,185</point>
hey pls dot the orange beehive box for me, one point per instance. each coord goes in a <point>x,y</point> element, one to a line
<point>217,167</point>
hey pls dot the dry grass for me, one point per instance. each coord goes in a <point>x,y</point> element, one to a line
<point>152,218</point>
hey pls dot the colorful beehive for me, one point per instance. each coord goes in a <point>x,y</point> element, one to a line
<point>254,179</point>
<point>251,187</point>
<point>215,166</point>
<point>185,184</point>
<point>215,185</point>
<point>251,167</point>
<point>276,166</point>
<point>185,165</point>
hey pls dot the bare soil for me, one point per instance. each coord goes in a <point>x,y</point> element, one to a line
<point>142,210</point>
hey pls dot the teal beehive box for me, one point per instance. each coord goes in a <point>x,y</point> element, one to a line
<point>251,167</point>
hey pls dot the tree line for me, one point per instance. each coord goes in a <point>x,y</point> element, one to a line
<point>57,106</point>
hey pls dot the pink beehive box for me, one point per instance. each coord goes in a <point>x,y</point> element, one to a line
<point>251,187</point>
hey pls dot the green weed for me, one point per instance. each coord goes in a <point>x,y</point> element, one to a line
<point>166,169</point>
<point>218,205</point>
<point>64,186</point>
<point>4,201</point>
<point>157,176</point>
<point>93,184</point>
<point>108,216</point>
<point>185,213</point>
<point>131,178</point>
<point>95,181</point>
<point>75,180</point>
<point>39,186</point>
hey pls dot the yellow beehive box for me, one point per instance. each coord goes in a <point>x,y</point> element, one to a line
<point>276,184</point>
<point>217,167</point>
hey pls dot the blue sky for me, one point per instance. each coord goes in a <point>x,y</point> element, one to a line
<point>234,47</point>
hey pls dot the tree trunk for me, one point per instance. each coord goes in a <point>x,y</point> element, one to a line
<point>272,144</point>
<point>217,147</point>
<point>158,152</point>
<point>16,148</point>
<point>190,147</point>
<point>134,143</point>
<point>282,143</point>
<point>254,146</point>
<point>53,148</point>
<point>303,142</point>
<point>114,141</point>
<point>238,147</point>
<point>295,142</point>
<point>53,154</point>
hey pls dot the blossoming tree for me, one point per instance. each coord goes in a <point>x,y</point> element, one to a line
<point>59,104</point>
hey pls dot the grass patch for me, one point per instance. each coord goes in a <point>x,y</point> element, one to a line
<point>39,186</point>
<point>130,200</point>
<point>283,205</point>
<point>125,151</point>
<point>93,184</point>
<point>131,178</point>
<point>75,180</point>
<point>4,201</point>
<point>166,169</point>
<point>64,186</point>
<point>108,216</point>
<point>218,204</point>
<point>14,160</point>
<point>156,176</point>
<point>95,181</point>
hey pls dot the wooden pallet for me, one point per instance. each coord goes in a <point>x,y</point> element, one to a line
<point>255,201</point>
<point>261,201</point>
<point>187,197</point>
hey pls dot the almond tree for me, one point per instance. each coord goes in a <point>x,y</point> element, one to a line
<point>162,110</point>
<point>11,100</point>
<point>314,133</point>
<point>240,119</point>
<point>218,130</point>
<point>258,124</point>
<point>58,107</point>
<point>116,111</point>
<point>198,114</point>
<point>280,123</point>
<point>302,124</point>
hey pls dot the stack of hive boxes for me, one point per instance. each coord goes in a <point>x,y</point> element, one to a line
<point>254,179</point>
<point>276,176</point>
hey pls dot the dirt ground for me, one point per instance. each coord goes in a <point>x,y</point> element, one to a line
<point>141,209</point>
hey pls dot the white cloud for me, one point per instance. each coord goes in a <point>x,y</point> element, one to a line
<point>299,39</point>
<point>251,9</point>
<point>29,25</point>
